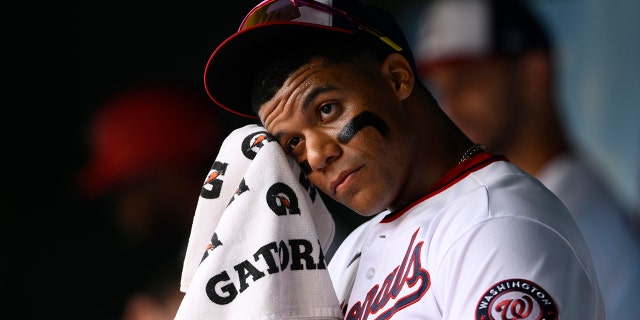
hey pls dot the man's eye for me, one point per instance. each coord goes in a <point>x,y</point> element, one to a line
<point>326,110</point>
<point>292,143</point>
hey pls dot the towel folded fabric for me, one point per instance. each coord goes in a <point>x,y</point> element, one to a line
<point>257,239</point>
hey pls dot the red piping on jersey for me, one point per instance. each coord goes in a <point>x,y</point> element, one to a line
<point>454,175</point>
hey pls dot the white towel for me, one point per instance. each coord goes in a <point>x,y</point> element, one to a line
<point>257,239</point>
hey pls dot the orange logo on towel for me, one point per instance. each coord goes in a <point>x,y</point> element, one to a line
<point>213,185</point>
<point>282,199</point>
<point>253,142</point>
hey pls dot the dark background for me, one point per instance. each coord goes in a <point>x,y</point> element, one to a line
<point>65,60</point>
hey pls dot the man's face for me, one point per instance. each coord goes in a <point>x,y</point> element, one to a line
<point>480,97</point>
<point>343,125</point>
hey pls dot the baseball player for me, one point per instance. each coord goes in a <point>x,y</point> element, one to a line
<point>457,233</point>
<point>491,64</point>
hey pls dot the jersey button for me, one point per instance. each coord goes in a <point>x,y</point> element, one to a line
<point>370,273</point>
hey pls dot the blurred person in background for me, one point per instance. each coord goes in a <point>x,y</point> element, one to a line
<point>151,148</point>
<point>491,66</point>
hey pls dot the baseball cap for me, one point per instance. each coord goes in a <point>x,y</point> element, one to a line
<point>454,31</point>
<point>146,128</point>
<point>277,26</point>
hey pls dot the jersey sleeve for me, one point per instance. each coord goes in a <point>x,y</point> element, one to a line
<point>513,268</point>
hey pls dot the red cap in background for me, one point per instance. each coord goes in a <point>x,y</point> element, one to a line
<point>148,128</point>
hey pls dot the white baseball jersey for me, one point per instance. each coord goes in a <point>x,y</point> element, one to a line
<point>614,246</point>
<point>487,242</point>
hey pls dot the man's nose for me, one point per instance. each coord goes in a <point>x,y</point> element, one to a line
<point>321,149</point>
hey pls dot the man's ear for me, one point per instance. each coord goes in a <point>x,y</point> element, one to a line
<point>399,73</point>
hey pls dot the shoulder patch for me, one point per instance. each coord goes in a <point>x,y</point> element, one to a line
<point>516,299</point>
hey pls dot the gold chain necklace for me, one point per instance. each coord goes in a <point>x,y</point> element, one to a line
<point>475,149</point>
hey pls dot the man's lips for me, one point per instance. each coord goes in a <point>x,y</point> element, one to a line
<point>342,178</point>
